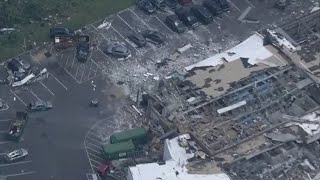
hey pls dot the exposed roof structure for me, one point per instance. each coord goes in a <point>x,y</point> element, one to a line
<point>251,49</point>
<point>174,168</point>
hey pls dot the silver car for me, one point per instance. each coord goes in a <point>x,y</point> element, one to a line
<point>40,105</point>
<point>16,155</point>
<point>118,50</point>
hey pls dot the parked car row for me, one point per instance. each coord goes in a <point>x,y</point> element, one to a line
<point>192,16</point>
<point>140,39</point>
<point>151,6</point>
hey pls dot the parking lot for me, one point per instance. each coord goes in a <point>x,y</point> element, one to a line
<point>65,137</point>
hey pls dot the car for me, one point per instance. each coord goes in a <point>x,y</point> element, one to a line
<point>202,14</point>
<point>223,4</point>
<point>138,39</point>
<point>147,6</point>
<point>175,24</point>
<point>59,30</point>
<point>16,66</point>
<point>171,3</point>
<point>158,3</point>
<point>213,7</point>
<point>39,105</point>
<point>117,50</point>
<point>185,2</point>
<point>104,169</point>
<point>16,155</point>
<point>187,17</point>
<point>83,51</point>
<point>154,36</point>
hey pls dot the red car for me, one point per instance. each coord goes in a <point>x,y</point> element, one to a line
<point>104,169</point>
<point>185,2</point>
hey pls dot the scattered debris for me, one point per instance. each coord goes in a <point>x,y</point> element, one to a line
<point>105,25</point>
<point>184,48</point>
<point>281,41</point>
<point>245,13</point>
<point>7,30</point>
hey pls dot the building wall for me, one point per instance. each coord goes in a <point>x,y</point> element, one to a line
<point>166,152</point>
<point>129,175</point>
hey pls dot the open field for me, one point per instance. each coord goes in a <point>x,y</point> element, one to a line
<point>33,18</point>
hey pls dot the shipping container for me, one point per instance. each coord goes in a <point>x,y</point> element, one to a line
<point>118,150</point>
<point>137,135</point>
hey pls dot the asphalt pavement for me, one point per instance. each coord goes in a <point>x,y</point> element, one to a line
<point>65,142</point>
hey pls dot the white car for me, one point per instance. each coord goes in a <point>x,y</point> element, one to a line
<point>16,154</point>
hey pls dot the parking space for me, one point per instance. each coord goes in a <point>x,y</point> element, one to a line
<point>67,81</point>
<point>25,95</point>
<point>97,136</point>
<point>4,125</point>
<point>13,170</point>
<point>17,170</point>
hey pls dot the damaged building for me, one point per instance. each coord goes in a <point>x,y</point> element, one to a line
<point>251,109</point>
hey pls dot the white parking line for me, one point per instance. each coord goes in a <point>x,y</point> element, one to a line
<point>227,15</point>
<point>82,74</point>
<point>66,61</point>
<point>163,23</point>
<point>85,148</point>
<point>34,95</point>
<point>94,133</point>
<point>20,174</point>
<point>72,75</point>
<point>108,58</point>
<point>124,21</point>
<point>11,164</point>
<point>61,56</point>
<point>76,72</point>
<point>96,156</point>
<point>47,88</point>
<point>97,162</point>
<point>234,5</point>
<point>5,120</point>
<point>4,142</point>
<point>93,150</point>
<point>90,143</point>
<point>18,97</point>
<point>102,35</point>
<point>250,3</point>
<point>206,29</point>
<point>140,19</point>
<point>74,57</point>
<point>90,68</point>
<point>59,82</point>
<point>93,139</point>
<point>216,22</point>
<point>6,107</point>
<point>35,58</point>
